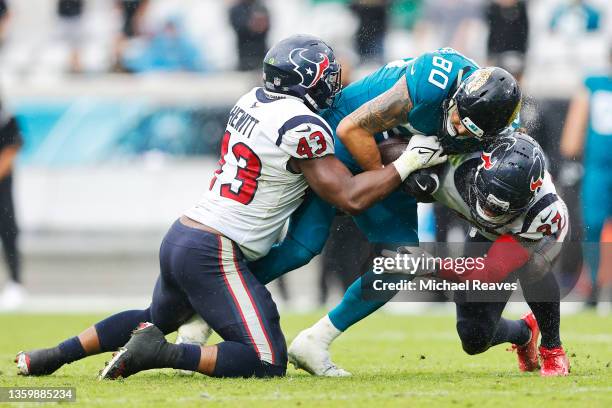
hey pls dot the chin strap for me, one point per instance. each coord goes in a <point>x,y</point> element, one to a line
<point>311,102</point>
<point>459,78</point>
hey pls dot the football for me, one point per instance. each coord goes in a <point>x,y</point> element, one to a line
<point>392,148</point>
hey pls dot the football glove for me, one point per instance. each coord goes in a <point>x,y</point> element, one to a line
<point>421,152</point>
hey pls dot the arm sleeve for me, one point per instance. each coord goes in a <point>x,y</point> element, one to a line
<point>505,256</point>
<point>306,137</point>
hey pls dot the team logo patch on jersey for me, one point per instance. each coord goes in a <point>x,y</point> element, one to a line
<point>309,71</point>
<point>478,79</point>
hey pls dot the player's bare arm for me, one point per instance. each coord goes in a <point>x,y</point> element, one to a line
<point>382,113</point>
<point>333,182</point>
<point>7,157</point>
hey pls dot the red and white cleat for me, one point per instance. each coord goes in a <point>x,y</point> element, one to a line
<point>528,353</point>
<point>554,362</point>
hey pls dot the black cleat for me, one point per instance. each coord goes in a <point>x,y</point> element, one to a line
<point>146,349</point>
<point>39,361</point>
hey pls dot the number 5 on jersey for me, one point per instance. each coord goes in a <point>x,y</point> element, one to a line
<point>248,169</point>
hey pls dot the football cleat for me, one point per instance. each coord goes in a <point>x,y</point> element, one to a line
<point>528,353</point>
<point>38,362</point>
<point>554,362</point>
<point>308,353</point>
<point>195,331</point>
<point>141,353</point>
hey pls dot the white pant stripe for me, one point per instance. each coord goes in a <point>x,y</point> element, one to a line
<point>244,302</point>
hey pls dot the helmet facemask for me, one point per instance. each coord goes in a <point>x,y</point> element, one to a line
<point>321,95</point>
<point>450,107</point>
<point>489,210</point>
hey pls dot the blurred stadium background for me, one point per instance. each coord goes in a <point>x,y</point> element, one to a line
<point>121,105</point>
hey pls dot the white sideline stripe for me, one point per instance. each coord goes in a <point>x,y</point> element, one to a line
<point>246,307</point>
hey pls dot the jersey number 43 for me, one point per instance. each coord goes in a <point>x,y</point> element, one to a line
<point>248,170</point>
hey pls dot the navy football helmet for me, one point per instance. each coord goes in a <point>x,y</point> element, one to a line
<point>303,66</point>
<point>507,180</point>
<point>487,102</point>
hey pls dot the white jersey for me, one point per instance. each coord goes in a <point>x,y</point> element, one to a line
<point>254,192</point>
<point>546,216</point>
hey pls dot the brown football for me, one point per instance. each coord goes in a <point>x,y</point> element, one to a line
<point>392,148</point>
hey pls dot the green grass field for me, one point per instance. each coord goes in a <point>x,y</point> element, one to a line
<point>396,361</point>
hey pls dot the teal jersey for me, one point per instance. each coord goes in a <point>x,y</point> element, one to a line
<point>431,78</point>
<point>598,142</point>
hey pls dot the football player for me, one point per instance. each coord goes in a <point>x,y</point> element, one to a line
<point>515,205</point>
<point>440,92</point>
<point>274,147</point>
<point>509,198</point>
<point>587,135</point>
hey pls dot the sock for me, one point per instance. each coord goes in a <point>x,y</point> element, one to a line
<point>543,298</point>
<point>189,357</point>
<point>353,307</point>
<point>548,316</point>
<point>71,350</point>
<point>325,330</point>
<point>511,331</point>
<point>236,360</point>
<point>115,331</point>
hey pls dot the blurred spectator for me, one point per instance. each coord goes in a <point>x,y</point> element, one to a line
<point>405,13</point>
<point>4,17</point>
<point>370,36</point>
<point>451,23</point>
<point>170,49</point>
<point>131,12</point>
<point>10,143</point>
<point>251,22</point>
<point>575,17</point>
<point>588,135</point>
<point>70,14</point>
<point>508,25</point>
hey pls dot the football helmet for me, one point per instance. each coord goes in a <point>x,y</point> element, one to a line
<point>510,174</point>
<point>487,101</point>
<point>303,66</point>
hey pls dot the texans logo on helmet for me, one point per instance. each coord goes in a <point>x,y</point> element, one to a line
<point>534,185</point>
<point>310,71</point>
<point>503,145</point>
<point>486,161</point>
